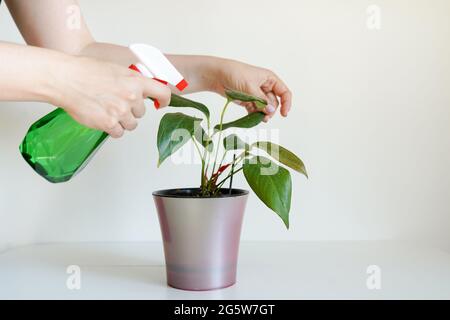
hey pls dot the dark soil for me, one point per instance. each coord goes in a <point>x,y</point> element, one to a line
<point>195,193</point>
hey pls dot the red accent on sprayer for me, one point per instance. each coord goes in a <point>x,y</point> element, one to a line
<point>133,67</point>
<point>162,81</point>
<point>182,85</point>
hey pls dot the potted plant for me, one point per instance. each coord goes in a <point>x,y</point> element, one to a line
<point>201,226</point>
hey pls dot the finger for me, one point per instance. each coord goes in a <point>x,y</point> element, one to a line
<point>272,104</point>
<point>250,109</point>
<point>116,132</point>
<point>248,106</point>
<point>138,109</point>
<point>282,91</point>
<point>267,88</point>
<point>128,122</point>
<point>136,102</point>
<point>157,91</point>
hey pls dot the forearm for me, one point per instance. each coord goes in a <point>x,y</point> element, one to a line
<point>109,52</point>
<point>26,72</point>
<point>44,24</point>
<point>199,71</point>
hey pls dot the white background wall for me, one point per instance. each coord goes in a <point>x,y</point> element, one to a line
<point>371,120</point>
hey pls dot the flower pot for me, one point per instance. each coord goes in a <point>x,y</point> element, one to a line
<point>201,236</point>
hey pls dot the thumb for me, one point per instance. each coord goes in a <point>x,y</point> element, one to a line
<point>272,102</point>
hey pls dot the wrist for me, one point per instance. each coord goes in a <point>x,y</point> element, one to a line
<point>45,82</point>
<point>203,73</point>
<point>211,72</point>
<point>57,80</point>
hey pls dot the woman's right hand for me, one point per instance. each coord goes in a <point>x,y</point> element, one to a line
<point>103,95</point>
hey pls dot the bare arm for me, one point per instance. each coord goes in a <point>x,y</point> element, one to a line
<point>59,25</point>
<point>98,94</point>
<point>49,24</point>
<point>21,78</point>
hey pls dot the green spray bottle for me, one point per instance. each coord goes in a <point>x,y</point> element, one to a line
<point>57,147</point>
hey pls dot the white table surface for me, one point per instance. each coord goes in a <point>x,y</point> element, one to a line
<point>267,270</point>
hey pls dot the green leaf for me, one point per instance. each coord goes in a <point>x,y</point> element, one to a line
<point>181,102</point>
<point>249,121</point>
<point>271,183</point>
<point>282,155</point>
<point>201,136</point>
<point>175,129</point>
<point>244,97</point>
<point>233,142</point>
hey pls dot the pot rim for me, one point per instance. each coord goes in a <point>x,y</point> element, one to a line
<point>168,193</point>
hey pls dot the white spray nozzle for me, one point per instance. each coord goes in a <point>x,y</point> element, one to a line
<point>154,64</point>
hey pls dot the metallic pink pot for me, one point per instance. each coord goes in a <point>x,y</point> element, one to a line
<point>201,237</point>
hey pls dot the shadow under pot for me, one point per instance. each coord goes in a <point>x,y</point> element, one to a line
<point>201,236</point>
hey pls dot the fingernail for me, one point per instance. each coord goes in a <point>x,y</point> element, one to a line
<point>270,108</point>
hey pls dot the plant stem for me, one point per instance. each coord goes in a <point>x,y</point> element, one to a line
<point>232,173</point>
<point>204,157</point>
<point>220,133</point>
<point>196,147</point>
<point>203,162</point>
<point>223,158</point>
<point>236,160</point>
<point>219,185</point>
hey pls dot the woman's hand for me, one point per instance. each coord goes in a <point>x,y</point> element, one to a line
<point>103,95</point>
<point>205,73</point>
<point>256,81</point>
